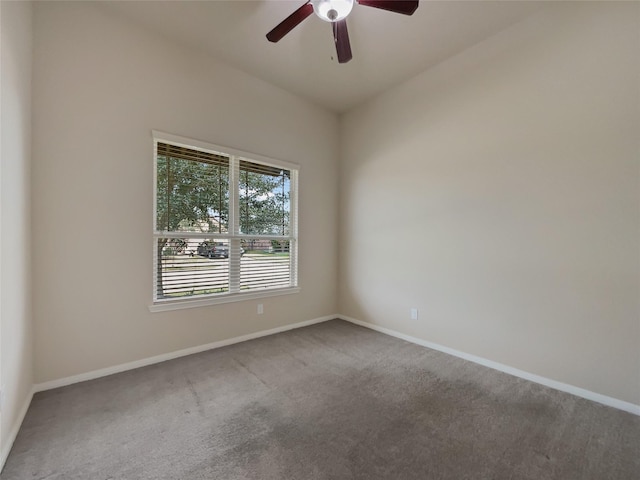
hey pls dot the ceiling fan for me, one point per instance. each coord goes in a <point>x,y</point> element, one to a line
<point>336,11</point>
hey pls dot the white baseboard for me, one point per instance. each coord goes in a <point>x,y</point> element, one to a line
<point>63,382</point>
<point>563,387</point>
<point>580,392</point>
<point>15,428</point>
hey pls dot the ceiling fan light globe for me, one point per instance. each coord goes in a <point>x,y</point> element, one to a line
<point>332,10</point>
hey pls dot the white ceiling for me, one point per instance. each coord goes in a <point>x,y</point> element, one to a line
<point>388,48</point>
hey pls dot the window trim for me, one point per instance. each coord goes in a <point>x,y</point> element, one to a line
<point>168,305</point>
<point>160,305</point>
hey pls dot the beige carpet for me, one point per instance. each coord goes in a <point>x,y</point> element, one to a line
<point>330,401</point>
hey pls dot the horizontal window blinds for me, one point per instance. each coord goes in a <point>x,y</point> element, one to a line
<point>263,169</point>
<point>184,153</point>
<point>225,224</point>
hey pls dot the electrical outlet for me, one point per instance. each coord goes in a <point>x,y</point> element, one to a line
<point>260,309</point>
<point>414,314</point>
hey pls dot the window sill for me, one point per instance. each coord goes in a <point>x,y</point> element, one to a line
<point>167,305</point>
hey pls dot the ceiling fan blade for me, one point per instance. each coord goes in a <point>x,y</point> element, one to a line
<point>290,22</point>
<point>341,37</point>
<point>406,7</point>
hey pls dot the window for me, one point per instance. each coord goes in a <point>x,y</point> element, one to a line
<point>224,227</point>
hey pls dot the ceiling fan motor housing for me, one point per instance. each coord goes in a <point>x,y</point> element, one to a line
<point>332,10</point>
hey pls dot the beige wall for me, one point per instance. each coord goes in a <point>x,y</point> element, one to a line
<point>499,194</point>
<point>101,85</point>
<point>16,350</point>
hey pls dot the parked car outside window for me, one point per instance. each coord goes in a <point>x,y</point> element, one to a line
<point>215,250</point>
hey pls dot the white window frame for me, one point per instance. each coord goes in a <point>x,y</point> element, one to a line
<point>234,295</point>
